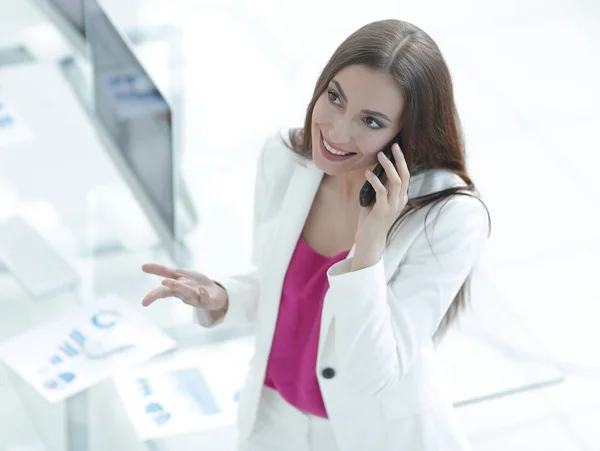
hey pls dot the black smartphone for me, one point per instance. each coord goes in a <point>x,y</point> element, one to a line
<point>367,192</point>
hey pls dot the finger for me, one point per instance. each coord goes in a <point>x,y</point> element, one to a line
<point>159,270</point>
<point>401,167</point>
<point>184,292</point>
<point>380,189</point>
<point>393,179</point>
<point>157,293</point>
<point>187,273</point>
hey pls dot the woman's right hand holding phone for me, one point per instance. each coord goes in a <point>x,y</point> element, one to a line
<point>191,287</point>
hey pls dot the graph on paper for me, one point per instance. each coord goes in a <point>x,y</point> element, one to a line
<point>196,389</point>
<point>83,347</point>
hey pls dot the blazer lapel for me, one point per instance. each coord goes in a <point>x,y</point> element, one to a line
<point>301,191</point>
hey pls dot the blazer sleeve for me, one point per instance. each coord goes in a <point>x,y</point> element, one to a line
<point>243,290</point>
<point>384,327</point>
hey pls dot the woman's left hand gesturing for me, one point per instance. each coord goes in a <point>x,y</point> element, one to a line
<point>375,221</point>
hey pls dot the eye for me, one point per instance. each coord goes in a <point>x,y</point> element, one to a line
<point>372,122</point>
<point>334,97</point>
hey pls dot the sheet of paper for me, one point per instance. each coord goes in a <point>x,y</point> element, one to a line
<point>190,390</point>
<point>83,347</point>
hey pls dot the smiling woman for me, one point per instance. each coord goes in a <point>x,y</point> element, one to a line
<point>387,79</point>
<point>348,300</point>
<point>356,115</point>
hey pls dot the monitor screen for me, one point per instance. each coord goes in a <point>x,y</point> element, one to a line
<point>135,115</point>
<point>72,10</point>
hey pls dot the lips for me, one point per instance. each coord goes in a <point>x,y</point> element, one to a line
<point>333,154</point>
<point>334,150</point>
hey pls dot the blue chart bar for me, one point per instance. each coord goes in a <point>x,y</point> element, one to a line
<point>69,349</point>
<point>77,336</point>
<point>192,384</point>
<point>144,386</point>
<point>55,360</point>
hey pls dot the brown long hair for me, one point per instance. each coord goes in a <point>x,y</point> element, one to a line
<point>431,133</point>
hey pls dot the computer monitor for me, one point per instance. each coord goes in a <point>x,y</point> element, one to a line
<point>135,122</point>
<point>68,17</point>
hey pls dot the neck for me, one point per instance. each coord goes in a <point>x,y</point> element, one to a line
<point>347,185</point>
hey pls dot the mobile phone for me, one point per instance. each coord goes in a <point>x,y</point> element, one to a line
<point>367,192</point>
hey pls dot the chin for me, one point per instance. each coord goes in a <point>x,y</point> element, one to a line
<point>326,166</point>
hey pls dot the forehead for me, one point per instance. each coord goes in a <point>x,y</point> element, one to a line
<point>370,89</point>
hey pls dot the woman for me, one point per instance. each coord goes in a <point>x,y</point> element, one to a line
<point>348,300</point>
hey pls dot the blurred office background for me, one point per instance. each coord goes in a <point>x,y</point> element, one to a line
<point>523,367</point>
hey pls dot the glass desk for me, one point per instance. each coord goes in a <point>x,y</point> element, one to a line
<point>489,355</point>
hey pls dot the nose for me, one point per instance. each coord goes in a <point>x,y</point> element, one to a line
<point>340,133</point>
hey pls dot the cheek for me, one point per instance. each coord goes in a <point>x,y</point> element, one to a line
<point>320,112</point>
<point>370,145</point>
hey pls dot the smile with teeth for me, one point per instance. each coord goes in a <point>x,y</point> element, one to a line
<point>333,151</point>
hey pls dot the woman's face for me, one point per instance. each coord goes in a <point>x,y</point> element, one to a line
<point>356,116</point>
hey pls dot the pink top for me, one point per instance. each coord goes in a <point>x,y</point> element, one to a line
<point>291,369</point>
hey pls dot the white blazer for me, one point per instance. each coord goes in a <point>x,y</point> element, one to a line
<point>377,323</point>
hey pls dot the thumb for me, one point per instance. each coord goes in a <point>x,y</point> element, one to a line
<point>210,296</point>
<point>206,300</point>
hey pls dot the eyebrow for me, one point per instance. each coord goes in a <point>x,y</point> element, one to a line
<point>369,112</point>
